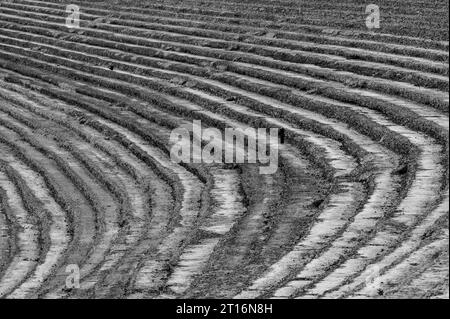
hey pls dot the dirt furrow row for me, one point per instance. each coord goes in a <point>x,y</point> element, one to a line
<point>419,78</point>
<point>430,283</point>
<point>212,61</point>
<point>83,218</point>
<point>58,228</point>
<point>293,29</point>
<point>140,168</point>
<point>28,254</point>
<point>150,23</point>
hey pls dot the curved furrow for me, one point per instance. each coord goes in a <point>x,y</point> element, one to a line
<point>58,228</point>
<point>8,235</point>
<point>340,165</point>
<point>395,103</point>
<point>430,283</point>
<point>202,95</point>
<point>424,191</point>
<point>189,206</point>
<point>159,199</point>
<point>203,249</point>
<point>336,91</point>
<point>369,68</point>
<point>190,55</point>
<point>131,222</point>
<point>386,189</point>
<point>110,280</point>
<point>340,207</point>
<point>336,156</point>
<point>228,207</point>
<point>302,31</point>
<point>435,166</point>
<point>135,200</point>
<point>85,220</point>
<point>419,64</point>
<point>372,126</point>
<point>410,266</point>
<point>28,236</point>
<point>406,248</point>
<point>195,255</point>
<point>192,186</point>
<point>85,233</point>
<point>140,79</point>
<point>103,205</point>
<point>136,203</point>
<point>334,153</point>
<point>228,191</point>
<point>226,267</point>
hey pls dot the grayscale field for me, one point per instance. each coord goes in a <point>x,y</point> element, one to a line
<point>358,207</point>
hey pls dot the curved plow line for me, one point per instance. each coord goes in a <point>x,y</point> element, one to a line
<point>422,111</point>
<point>410,265</point>
<point>188,212</point>
<point>134,199</point>
<point>330,60</point>
<point>339,164</point>
<point>106,206</point>
<point>427,163</point>
<point>364,222</point>
<point>130,237</point>
<point>158,204</point>
<point>143,77</point>
<point>423,192</point>
<point>427,112</point>
<point>401,88</point>
<point>26,259</point>
<point>419,64</point>
<point>125,72</point>
<point>90,264</point>
<point>6,239</point>
<point>429,159</point>
<point>58,228</point>
<point>309,30</point>
<point>340,161</point>
<point>426,186</point>
<point>228,226</point>
<point>224,194</point>
<point>149,270</point>
<point>192,185</point>
<point>339,76</point>
<point>342,206</point>
<point>233,258</point>
<point>367,253</point>
<point>142,87</point>
<point>431,114</point>
<point>136,221</point>
<point>105,201</point>
<point>431,283</point>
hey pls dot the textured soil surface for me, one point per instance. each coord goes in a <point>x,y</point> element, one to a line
<point>358,207</point>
